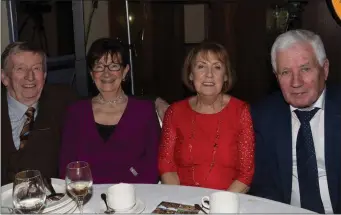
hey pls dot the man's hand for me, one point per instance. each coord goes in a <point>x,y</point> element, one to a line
<point>161,107</point>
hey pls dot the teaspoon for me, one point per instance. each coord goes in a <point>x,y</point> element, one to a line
<point>109,210</point>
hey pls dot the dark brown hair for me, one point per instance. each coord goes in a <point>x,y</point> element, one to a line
<point>104,47</point>
<point>204,49</point>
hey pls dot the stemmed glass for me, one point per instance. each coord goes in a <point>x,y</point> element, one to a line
<point>78,181</point>
<point>29,193</point>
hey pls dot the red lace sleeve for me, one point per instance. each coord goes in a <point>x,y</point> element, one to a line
<point>246,147</point>
<point>168,139</point>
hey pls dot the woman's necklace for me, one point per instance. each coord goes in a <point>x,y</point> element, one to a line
<point>215,146</point>
<point>112,102</point>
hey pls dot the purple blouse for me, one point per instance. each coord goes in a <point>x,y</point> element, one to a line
<point>130,154</point>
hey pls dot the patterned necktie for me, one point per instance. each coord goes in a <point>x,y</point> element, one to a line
<point>307,164</point>
<point>27,127</point>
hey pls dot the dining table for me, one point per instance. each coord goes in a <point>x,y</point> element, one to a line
<point>151,195</point>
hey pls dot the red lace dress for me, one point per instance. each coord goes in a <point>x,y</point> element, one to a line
<point>208,150</point>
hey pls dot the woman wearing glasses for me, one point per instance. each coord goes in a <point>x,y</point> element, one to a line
<point>116,134</point>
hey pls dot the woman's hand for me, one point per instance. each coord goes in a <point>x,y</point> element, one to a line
<point>171,178</point>
<point>238,187</point>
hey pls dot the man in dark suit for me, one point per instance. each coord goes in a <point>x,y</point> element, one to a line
<point>31,113</point>
<point>298,130</point>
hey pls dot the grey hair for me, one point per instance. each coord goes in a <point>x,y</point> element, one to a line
<point>17,47</point>
<point>291,37</point>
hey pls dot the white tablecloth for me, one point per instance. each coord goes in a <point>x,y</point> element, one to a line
<point>152,195</point>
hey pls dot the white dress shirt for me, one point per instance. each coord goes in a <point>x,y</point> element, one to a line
<point>16,112</point>
<point>317,128</point>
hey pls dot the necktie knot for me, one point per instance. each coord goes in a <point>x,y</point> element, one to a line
<point>306,116</point>
<point>30,112</point>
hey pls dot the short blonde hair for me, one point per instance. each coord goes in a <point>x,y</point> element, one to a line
<point>204,49</point>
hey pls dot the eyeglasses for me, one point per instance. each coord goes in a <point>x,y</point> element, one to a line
<point>114,67</point>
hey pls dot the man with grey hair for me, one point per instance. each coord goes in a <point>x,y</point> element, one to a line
<point>298,130</point>
<point>31,113</point>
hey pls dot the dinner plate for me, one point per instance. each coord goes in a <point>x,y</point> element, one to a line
<point>66,209</point>
<point>137,209</point>
<point>58,185</point>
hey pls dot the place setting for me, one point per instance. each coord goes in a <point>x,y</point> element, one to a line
<point>220,202</point>
<point>121,198</point>
<point>34,194</point>
<point>31,193</point>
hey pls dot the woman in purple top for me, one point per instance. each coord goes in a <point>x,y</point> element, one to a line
<point>116,134</point>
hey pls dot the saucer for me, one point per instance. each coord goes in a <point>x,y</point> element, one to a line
<point>138,207</point>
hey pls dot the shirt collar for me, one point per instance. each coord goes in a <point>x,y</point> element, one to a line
<point>18,109</point>
<point>318,104</point>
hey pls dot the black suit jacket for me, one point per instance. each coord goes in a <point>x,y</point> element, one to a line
<point>273,170</point>
<point>42,149</point>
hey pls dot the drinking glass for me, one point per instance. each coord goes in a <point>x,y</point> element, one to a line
<point>78,181</point>
<point>29,193</point>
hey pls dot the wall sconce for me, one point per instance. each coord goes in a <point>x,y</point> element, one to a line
<point>281,18</point>
<point>131,18</point>
<point>277,19</point>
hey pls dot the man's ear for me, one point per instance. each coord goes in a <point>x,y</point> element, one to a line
<point>326,69</point>
<point>4,78</point>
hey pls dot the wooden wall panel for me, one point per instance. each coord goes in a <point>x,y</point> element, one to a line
<point>317,17</point>
<point>240,25</point>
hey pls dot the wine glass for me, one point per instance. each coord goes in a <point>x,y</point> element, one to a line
<point>29,193</point>
<point>78,181</point>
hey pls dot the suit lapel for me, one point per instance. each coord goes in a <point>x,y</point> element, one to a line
<point>6,128</point>
<point>7,143</point>
<point>333,146</point>
<point>283,141</point>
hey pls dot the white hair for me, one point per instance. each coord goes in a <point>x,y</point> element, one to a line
<point>289,38</point>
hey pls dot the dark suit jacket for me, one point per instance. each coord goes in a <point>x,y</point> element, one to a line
<point>42,150</point>
<point>273,170</point>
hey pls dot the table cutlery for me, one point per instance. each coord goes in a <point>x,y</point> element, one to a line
<point>198,207</point>
<point>109,210</point>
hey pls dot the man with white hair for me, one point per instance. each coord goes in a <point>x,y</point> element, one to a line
<point>298,130</point>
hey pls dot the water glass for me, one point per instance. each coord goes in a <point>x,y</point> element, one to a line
<point>29,193</point>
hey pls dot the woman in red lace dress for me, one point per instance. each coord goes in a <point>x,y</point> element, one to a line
<point>208,139</point>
